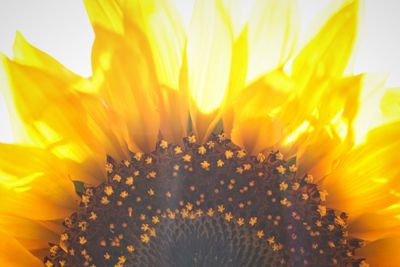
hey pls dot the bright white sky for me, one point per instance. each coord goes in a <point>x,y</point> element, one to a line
<point>62,29</point>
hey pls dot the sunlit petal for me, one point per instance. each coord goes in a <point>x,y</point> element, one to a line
<point>272,34</point>
<point>107,14</point>
<point>366,178</point>
<point>209,49</point>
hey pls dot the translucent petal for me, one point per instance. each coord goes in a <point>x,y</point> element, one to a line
<point>209,49</point>
<point>26,54</point>
<point>390,104</point>
<point>160,22</point>
<point>107,14</point>
<point>327,54</point>
<point>42,188</point>
<point>273,26</point>
<point>365,179</point>
<point>54,114</point>
<point>174,114</point>
<point>129,85</point>
<point>255,124</point>
<point>236,79</point>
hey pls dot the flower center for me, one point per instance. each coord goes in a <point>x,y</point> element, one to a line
<point>204,205</point>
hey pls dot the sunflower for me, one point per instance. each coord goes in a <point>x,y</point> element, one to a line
<point>198,148</point>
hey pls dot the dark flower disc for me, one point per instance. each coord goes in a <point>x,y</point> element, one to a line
<point>204,205</point>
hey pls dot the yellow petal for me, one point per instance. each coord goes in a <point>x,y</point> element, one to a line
<point>107,14</point>
<point>390,104</point>
<point>382,253</point>
<point>13,254</point>
<point>374,225</point>
<point>237,79</point>
<point>163,27</point>
<point>27,54</point>
<point>209,48</point>
<point>174,114</point>
<point>35,184</point>
<point>316,155</point>
<point>129,86</point>
<point>160,22</point>
<point>31,234</point>
<point>52,112</point>
<point>365,179</point>
<point>239,13</point>
<point>272,33</point>
<point>329,131</point>
<point>327,54</point>
<point>255,124</point>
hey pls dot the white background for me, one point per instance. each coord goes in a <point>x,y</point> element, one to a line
<point>62,29</point>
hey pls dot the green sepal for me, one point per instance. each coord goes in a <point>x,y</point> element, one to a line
<point>79,187</point>
<point>291,161</point>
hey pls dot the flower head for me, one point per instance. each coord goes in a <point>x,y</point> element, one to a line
<point>262,119</point>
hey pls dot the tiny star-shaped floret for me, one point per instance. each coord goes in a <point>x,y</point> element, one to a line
<point>163,144</point>
<point>253,221</point>
<point>240,221</point>
<point>192,139</point>
<point>108,190</point>
<point>187,158</point>
<point>228,154</point>
<point>210,212</point>
<point>205,165</point>
<point>144,238</point>
<point>178,150</point>
<point>129,180</point>
<point>283,186</point>
<point>281,169</point>
<point>202,150</point>
<point>220,163</point>
<point>293,168</point>
<point>228,216</point>
<point>260,234</point>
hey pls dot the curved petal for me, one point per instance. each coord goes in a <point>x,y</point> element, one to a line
<point>329,132</point>
<point>13,254</point>
<point>390,104</point>
<point>160,22</point>
<point>55,115</point>
<point>327,54</point>
<point>256,125</point>
<point>237,79</point>
<point>323,60</point>
<point>382,253</point>
<point>35,184</point>
<point>366,179</point>
<point>31,234</point>
<point>128,85</point>
<point>209,49</point>
<point>27,54</point>
<point>373,225</point>
<point>174,114</point>
<point>272,34</point>
<point>107,14</point>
